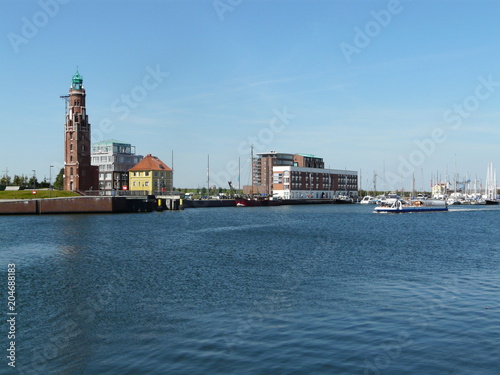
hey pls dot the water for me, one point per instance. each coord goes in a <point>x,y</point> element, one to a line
<point>331,289</point>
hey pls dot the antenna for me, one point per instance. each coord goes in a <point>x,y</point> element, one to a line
<point>66,100</point>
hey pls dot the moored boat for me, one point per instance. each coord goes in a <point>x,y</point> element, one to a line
<point>256,202</point>
<point>368,200</point>
<point>343,199</point>
<point>491,201</point>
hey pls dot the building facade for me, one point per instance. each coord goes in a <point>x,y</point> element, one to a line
<point>151,175</point>
<point>262,171</point>
<point>308,161</point>
<point>299,176</point>
<point>293,182</point>
<point>114,159</point>
<point>79,174</point>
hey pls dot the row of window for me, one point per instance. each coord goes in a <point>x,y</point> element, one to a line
<point>147,174</point>
<point>138,183</point>
<point>111,158</point>
<point>82,136</point>
<point>71,147</point>
<point>317,187</point>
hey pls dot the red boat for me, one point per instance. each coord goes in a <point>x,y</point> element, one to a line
<point>255,202</point>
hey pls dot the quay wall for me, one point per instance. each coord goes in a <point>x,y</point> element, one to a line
<point>77,205</point>
<point>203,203</point>
<point>18,207</point>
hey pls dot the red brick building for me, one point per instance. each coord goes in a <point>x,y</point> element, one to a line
<point>79,174</point>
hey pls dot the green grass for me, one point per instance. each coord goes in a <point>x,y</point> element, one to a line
<point>28,194</point>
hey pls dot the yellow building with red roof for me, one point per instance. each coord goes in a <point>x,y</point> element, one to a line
<point>151,175</point>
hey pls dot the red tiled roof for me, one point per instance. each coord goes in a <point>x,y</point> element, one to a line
<point>150,163</point>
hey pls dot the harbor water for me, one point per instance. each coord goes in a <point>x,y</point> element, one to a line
<point>326,289</point>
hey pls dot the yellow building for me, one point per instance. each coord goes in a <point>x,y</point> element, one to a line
<point>150,175</point>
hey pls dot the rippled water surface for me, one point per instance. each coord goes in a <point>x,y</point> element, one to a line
<point>330,289</point>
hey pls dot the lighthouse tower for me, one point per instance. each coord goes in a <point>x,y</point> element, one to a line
<point>79,175</point>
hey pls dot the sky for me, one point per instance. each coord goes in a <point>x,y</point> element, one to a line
<point>401,89</point>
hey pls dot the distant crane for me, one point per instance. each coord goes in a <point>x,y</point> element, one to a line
<point>233,191</point>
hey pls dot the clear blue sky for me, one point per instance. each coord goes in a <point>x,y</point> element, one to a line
<point>358,83</point>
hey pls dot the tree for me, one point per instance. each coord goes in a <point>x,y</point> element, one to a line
<point>5,180</point>
<point>33,182</point>
<point>44,183</point>
<point>58,183</point>
<point>20,180</point>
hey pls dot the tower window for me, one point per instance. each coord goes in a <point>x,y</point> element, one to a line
<point>83,147</point>
<point>71,146</point>
<point>71,171</point>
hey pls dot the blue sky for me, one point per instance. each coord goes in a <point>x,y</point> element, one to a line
<point>397,86</point>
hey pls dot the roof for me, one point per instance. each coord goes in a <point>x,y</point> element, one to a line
<point>110,142</point>
<point>150,163</point>
<point>309,156</point>
<point>77,78</point>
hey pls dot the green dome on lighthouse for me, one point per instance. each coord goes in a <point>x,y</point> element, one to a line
<point>77,81</point>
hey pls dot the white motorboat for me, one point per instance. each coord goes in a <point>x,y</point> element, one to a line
<point>368,200</point>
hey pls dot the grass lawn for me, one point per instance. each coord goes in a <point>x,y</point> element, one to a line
<point>28,194</point>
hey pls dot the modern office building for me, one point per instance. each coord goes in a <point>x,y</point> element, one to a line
<point>299,176</point>
<point>313,183</point>
<point>262,171</point>
<point>79,174</point>
<point>114,159</point>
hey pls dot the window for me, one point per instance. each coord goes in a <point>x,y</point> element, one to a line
<point>71,171</point>
<point>71,146</point>
<point>146,174</point>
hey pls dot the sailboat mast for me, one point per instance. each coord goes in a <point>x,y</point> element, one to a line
<point>251,167</point>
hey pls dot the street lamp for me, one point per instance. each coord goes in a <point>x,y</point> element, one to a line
<point>50,181</point>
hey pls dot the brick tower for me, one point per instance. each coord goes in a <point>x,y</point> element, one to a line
<point>79,175</point>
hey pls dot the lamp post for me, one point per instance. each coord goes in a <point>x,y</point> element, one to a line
<point>50,181</point>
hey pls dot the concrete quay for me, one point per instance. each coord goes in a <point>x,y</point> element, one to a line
<point>72,205</point>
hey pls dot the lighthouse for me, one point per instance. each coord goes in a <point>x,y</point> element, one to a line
<point>79,174</point>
